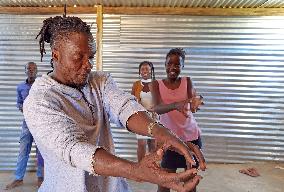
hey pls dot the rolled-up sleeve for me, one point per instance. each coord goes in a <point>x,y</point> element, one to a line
<point>120,105</point>
<point>57,135</point>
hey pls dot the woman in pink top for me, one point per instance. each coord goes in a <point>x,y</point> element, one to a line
<point>175,99</point>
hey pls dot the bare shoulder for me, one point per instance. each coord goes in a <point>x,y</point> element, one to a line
<point>154,84</point>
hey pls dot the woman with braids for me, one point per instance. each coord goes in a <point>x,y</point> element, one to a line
<point>141,90</point>
<point>68,112</point>
<point>175,99</point>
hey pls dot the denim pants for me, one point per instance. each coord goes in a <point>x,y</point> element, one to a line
<point>26,141</point>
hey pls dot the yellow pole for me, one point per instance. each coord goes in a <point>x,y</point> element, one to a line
<point>99,37</point>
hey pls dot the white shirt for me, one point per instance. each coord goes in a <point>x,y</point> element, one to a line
<point>68,133</point>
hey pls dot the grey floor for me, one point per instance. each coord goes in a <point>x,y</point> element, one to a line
<point>217,178</point>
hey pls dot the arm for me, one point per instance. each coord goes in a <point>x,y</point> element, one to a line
<point>161,108</point>
<point>20,100</point>
<point>191,92</point>
<point>196,100</point>
<point>147,170</point>
<point>123,108</point>
<point>56,134</point>
<point>136,90</point>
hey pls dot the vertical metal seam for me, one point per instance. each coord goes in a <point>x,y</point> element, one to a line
<point>99,38</point>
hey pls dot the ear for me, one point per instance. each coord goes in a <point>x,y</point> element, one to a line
<point>55,55</point>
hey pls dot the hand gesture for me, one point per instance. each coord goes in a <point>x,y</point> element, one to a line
<point>182,107</point>
<point>198,153</point>
<point>149,170</point>
<point>170,141</point>
<point>195,103</point>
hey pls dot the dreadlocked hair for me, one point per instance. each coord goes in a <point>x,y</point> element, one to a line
<point>177,51</point>
<point>151,66</point>
<point>58,28</point>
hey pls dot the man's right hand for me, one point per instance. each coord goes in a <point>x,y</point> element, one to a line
<point>149,170</point>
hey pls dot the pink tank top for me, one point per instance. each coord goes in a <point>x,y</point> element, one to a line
<point>185,128</point>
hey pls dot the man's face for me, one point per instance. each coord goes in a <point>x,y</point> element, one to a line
<point>73,59</point>
<point>31,70</point>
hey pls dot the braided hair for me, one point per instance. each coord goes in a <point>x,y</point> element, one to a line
<point>179,52</point>
<point>57,29</point>
<point>151,66</point>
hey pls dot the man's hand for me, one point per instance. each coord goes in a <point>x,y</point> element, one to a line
<point>141,123</point>
<point>198,154</point>
<point>172,142</point>
<point>148,170</point>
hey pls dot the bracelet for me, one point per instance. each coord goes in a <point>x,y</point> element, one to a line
<point>151,126</point>
<point>93,172</point>
<point>93,165</point>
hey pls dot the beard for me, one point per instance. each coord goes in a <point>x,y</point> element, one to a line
<point>80,81</point>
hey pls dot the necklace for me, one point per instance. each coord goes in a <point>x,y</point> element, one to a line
<point>90,106</point>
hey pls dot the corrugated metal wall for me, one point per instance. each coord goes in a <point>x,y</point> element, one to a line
<point>235,62</point>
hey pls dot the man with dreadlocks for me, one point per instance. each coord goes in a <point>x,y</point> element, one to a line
<point>68,113</point>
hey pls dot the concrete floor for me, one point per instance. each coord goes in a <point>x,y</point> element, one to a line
<point>217,178</point>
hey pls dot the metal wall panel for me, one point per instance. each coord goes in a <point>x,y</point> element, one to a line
<point>236,63</point>
<point>17,47</point>
<point>148,3</point>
